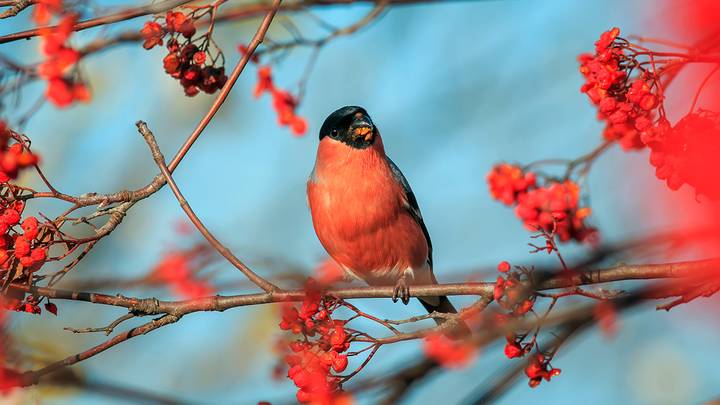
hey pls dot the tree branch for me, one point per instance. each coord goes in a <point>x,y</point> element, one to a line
<point>172,311</point>
<point>240,12</point>
<point>104,20</point>
<point>214,242</point>
<point>16,6</point>
<point>151,306</point>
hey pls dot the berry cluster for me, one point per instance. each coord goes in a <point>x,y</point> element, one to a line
<point>515,346</point>
<point>687,153</point>
<point>27,249</point>
<point>197,67</point>
<point>629,99</point>
<point>178,270</point>
<point>314,359</point>
<point>284,103</point>
<point>30,304</point>
<point>507,292</point>
<point>449,353</point>
<point>554,207</point>
<point>23,242</point>
<point>13,157</point>
<point>627,104</point>
<point>510,294</point>
<point>63,88</point>
<point>507,181</point>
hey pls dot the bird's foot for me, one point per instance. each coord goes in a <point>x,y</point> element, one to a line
<point>402,291</point>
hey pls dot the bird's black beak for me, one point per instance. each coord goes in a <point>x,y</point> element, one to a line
<point>362,127</point>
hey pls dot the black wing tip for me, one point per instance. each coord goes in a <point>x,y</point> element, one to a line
<point>444,306</point>
<point>412,201</point>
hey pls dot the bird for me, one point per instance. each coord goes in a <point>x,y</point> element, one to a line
<point>364,212</point>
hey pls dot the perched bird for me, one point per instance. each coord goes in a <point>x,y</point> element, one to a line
<point>364,212</point>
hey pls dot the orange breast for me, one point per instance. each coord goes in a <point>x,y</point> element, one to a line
<point>359,214</point>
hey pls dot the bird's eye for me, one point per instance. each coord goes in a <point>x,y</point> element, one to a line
<point>334,133</point>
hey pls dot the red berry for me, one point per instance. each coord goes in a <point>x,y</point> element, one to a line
<point>503,267</point>
<point>10,216</point>
<point>192,91</point>
<point>52,308</point>
<point>22,247</point>
<point>340,363</point>
<point>171,63</point>
<point>499,289</point>
<point>524,307</point>
<point>513,350</point>
<point>39,254</point>
<point>187,28</point>
<point>153,34</point>
<point>199,58</point>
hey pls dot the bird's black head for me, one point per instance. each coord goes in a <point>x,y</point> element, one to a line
<point>350,125</point>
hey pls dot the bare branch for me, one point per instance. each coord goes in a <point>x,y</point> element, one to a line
<point>16,7</point>
<point>104,20</point>
<point>224,251</point>
<point>692,270</point>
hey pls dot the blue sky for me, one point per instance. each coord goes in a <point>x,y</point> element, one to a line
<point>454,88</point>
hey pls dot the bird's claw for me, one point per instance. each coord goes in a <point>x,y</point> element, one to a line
<point>402,291</point>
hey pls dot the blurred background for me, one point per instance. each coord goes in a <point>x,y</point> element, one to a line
<point>454,87</point>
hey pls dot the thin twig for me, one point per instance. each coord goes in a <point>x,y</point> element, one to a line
<point>107,329</point>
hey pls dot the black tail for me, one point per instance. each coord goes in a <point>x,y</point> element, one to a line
<point>446,307</point>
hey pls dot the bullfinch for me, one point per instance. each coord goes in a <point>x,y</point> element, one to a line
<point>364,211</point>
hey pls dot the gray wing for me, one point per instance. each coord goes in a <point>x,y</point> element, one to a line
<point>412,205</point>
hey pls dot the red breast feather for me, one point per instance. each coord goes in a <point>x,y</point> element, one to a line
<point>359,215</point>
